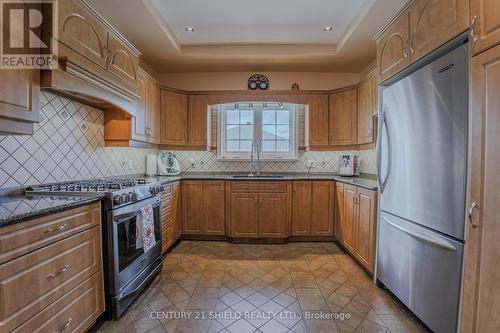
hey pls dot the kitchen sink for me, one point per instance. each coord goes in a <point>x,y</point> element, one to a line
<point>261,176</point>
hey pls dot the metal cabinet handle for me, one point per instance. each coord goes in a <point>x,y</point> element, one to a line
<point>410,45</point>
<point>473,29</point>
<point>62,270</point>
<point>471,209</point>
<point>256,201</point>
<point>405,53</point>
<point>59,228</point>
<point>104,53</point>
<point>260,201</point>
<point>65,326</point>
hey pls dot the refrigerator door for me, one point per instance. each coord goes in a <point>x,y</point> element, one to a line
<point>422,268</point>
<point>423,145</point>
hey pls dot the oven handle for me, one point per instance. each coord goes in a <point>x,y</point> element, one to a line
<point>133,210</point>
<point>123,217</point>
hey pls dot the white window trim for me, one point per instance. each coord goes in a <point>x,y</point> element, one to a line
<point>223,155</point>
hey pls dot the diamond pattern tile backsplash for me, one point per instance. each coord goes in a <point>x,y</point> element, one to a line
<point>68,144</point>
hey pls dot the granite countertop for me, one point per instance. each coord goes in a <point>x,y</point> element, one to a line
<point>366,181</point>
<point>19,208</point>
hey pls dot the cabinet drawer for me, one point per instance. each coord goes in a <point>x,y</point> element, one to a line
<point>30,283</point>
<point>19,239</point>
<point>257,186</point>
<point>74,312</point>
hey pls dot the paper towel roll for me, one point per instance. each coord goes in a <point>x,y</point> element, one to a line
<point>151,164</point>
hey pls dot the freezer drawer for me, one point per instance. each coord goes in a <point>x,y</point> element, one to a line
<point>423,269</point>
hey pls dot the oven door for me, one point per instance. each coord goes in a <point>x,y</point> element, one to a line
<point>128,256</point>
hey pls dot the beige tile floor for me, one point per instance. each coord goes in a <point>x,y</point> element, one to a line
<point>295,287</point>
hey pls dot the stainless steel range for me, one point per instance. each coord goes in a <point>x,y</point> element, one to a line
<point>128,269</point>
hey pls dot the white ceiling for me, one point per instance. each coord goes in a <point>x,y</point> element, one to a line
<point>258,21</point>
<point>255,35</point>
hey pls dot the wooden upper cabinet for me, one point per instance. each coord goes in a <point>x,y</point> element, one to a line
<point>272,215</point>
<point>365,112</point>
<point>122,62</point>
<point>485,21</point>
<point>80,31</point>
<point>139,122</point>
<point>19,101</point>
<point>392,48</point>
<point>481,295</point>
<point>435,22</point>
<point>301,208</point>
<point>173,119</point>
<point>245,215</point>
<point>366,228</point>
<point>343,116</point>
<point>214,207</point>
<point>153,119</point>
<point>318,120</point>
<point>192,207</point>
<point>322,208</point>
<point>197,120</point>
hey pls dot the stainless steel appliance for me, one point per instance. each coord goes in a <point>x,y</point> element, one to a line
<point>349,165</point>
<point>168,165</point>
<point>422,158</point>
<point>128,269</point>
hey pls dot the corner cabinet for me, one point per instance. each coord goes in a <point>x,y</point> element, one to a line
<point>343,118</point>
<point>19,101</point>
<point>485,22</point>
<point>357,220</point>
<point>366,106</point>
<point>174,119</point>
<point>481,294</point>
<point>197,121</point>
<point>318,121</point>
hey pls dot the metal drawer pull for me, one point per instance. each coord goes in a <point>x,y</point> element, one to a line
<point>471,209</point>
<point>64,327</point>
<point>59,228</point>
<point>64,269</point>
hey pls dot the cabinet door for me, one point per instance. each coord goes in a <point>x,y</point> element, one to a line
<point>301,208</point>
<point>192,207</point>
<point>245,215</point>
<point>122,62</point>
<point>434,22</point>
<point>318,121</point>
<point>79,31</point>
<point>173,119</point>
<point>19,100</point>
<point>365,112</point>
<point>272,215</point>
<point>486,24</point>
<point>322,208</point>
<point>392,53</point>
<point>366,228</point>
<point>343,115</point>
<point>139,122</point>
<point>197,121</point>
<point>349,218</point>
<point>481,295</point>
<point>214,208</point>
<point>177,206</point>
<point>153,111</point>
<point>339,208</point>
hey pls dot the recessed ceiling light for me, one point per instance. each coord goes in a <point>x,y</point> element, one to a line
<point>189,29</point>
<point>328,28</point>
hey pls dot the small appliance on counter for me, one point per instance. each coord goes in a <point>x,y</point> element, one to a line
<point>168,165</point>
<point>349,165</point>
<point>151,164</point>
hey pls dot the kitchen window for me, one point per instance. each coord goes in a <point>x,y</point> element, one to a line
<point>268,127</point>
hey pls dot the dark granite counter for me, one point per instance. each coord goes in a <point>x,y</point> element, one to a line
<point>365,181</point>
<point>19,208</point>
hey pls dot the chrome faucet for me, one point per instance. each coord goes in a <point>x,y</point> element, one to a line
<point>255,144</point>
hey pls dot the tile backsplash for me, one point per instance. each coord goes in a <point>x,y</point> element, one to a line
<point>68,144</point>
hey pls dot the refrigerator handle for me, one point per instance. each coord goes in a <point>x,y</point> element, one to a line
<point>378,146</point>
<point>431,240</point>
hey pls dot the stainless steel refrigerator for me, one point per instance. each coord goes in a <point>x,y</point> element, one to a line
<point>422,162</point>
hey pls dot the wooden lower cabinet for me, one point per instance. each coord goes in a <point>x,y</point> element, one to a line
<point>312,208</point>
<point>244,215</point>
<point>339,208</point>
<point>170,216</point>
<point>203,207</point>
<point>272,215</point>
<point>356,209</point>
<point>37,286</point>
<point>481,295</point>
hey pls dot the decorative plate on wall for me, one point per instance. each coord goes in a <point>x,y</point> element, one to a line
<point>258,82</point>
